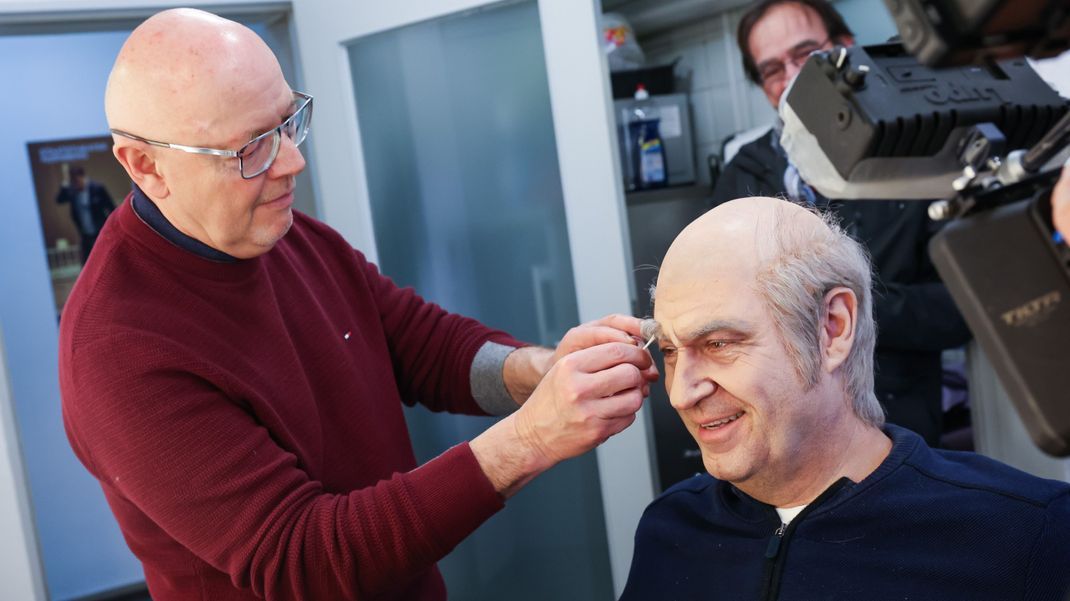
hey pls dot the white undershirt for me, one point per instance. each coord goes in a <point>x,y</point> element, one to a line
<point>787,514</point>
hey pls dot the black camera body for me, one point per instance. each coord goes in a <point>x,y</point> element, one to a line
<point>1010,277</point>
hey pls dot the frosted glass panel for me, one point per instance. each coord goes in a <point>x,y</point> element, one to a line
<point>467,206</point>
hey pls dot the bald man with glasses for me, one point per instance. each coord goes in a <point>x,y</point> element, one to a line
<point>233,372</point>
<point>916,318</point>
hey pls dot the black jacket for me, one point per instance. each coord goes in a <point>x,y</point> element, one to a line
<point>916,318</point>
<point>100,206</point>
<point>926,525</point>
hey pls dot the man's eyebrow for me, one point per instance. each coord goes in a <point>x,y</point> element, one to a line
<point>794,48</point>
<point>733,326</point>
<point>805,43</point>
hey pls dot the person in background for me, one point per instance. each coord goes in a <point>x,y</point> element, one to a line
<point>90,206</point>
<point>763,313</point>
<point>915,314</point>
<point>233,372</point>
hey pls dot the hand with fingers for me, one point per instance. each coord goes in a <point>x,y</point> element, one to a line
<point>611,328</point>
<point>526,367</point>
<point>586,397</point>
<point>595,383</point>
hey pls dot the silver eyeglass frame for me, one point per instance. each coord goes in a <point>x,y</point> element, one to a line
<point>306,105</point>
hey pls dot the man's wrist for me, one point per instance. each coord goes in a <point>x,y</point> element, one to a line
<point>507,460</point>
<point>524,368</point>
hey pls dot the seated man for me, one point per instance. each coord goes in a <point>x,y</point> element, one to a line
<point>764,314</point>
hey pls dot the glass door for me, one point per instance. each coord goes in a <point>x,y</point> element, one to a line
<point>467,147</point>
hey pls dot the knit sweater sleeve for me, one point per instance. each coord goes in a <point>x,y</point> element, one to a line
<point>162,436</point>
<point>431,348</point>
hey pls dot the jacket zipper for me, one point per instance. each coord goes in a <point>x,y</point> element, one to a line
<point>773,555</point>
<point>774,542</point>
<point>776,549</point>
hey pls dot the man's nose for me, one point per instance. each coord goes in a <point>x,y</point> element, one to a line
<point>690,384</point>
<point>791,69</point>
<point>289,161</point>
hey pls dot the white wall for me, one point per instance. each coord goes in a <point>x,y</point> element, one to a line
<point>868,19</point>
<point>20,572</point>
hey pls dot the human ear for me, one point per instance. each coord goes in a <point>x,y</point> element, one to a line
<point>838,327</point>
<point>142,168</point>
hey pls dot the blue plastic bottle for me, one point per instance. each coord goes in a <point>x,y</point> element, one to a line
<point>648,150</point>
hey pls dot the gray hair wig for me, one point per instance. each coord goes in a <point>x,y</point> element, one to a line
<point>803,266</point>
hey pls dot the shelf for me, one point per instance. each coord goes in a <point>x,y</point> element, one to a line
<point>697,192</point>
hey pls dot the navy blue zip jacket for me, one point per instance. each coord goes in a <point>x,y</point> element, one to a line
<point>926,525</point>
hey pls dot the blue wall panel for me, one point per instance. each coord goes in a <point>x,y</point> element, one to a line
<point>56,92</point>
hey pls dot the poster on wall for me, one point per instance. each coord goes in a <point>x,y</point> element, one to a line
<point>78,184</point>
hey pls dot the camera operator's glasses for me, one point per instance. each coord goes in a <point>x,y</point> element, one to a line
<point>258,154</point>
<point>774,70</point>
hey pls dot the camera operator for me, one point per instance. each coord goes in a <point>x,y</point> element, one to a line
<point>916,316</point>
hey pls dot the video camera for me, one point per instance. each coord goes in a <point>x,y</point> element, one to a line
<point>974,121</point>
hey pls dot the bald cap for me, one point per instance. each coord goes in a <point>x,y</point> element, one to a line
<point>748,232</point>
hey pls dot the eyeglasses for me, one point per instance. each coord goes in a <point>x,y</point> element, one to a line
<point>258,154</point>
<point>773,70</point>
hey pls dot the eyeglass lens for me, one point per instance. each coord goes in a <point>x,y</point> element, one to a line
<point>774,70</point>
<point>258,156</point>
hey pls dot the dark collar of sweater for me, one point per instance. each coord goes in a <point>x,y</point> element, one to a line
<point>748,509</point>
<point>150,214</point>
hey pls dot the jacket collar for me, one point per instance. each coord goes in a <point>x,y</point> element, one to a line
<point>904,444</point>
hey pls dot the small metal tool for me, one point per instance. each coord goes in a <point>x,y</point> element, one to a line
<point>652,338</point>
<point>649,330</point>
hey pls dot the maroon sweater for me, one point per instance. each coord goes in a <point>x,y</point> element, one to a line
<point>244,419</point>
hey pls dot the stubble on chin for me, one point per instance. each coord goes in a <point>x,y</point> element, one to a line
<point>269,236</point>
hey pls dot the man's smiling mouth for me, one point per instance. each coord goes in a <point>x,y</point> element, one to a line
<point>725,420</point>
